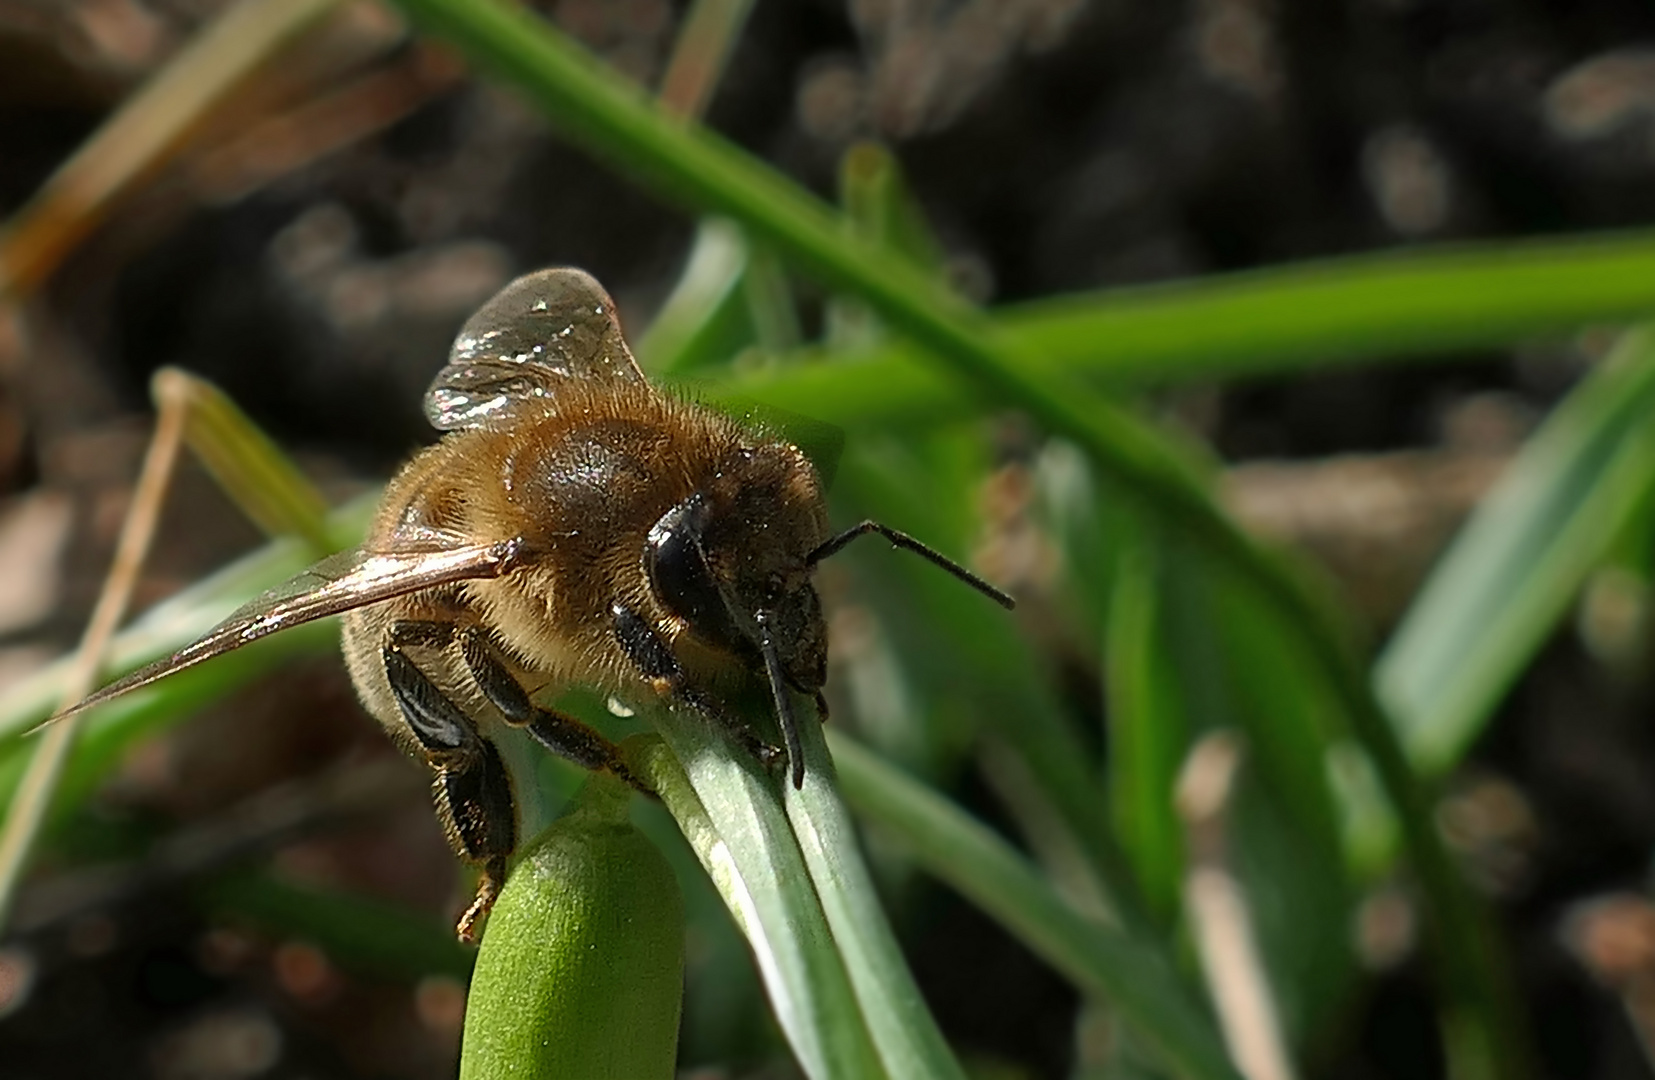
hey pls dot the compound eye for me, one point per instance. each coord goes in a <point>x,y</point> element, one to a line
<point>682,580</point>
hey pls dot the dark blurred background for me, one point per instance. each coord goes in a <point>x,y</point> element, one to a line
<point>317,272</point>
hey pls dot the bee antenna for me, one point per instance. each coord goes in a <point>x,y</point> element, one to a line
<point>903,540</point>
<point>784,706</point>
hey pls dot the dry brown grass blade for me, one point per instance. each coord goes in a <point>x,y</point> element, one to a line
<point>150,127</point>
<point>1220,918</point>
<point>318,126</point>
<point>705,40</point>
<point>33,800</point>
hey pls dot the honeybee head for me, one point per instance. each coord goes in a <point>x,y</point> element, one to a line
<point>733,561</point>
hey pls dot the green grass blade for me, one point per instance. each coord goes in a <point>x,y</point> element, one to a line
<point>705,320</point>
<point>1510,575</point>
<point>1418,304</point>
<point>1184,657</point>
<point>1147,729</point>
<point>732,815</point>
<point>903,1030</point>
<point>247,466</point>
<point>1131,972</point>
<point>879,208</point>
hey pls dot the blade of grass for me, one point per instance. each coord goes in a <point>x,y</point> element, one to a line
<point>148,128</point>
<point>1286,833</point>
<point>903,1030</point>
<point>1420,304</point>
<point>879,208</point>
<point>1147,729</point>
<point>32,800</point>
<point>1509,576</point>
<point>733,818</point>
<point>705,320</point>
<point>706,37</point>
<point>1186,659</point>
<point>247,466</point>
<point>1130,971</point>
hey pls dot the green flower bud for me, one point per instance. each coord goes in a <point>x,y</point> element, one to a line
<point>581,971</point>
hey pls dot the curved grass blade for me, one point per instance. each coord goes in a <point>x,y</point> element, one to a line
<point>1420,304</point>
<point>1510,575</point>
<point>903,1030</point>
<point>732,815</point>
<point>705,320</point>
<point>1186,658</point>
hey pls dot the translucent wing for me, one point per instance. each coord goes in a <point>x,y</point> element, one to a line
<point>526,345</point>
<point>337,584</point>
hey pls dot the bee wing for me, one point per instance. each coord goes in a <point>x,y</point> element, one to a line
<point>337,584</point>
<point>531,342</point>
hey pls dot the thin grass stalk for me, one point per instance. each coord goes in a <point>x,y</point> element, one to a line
<point>32,802</point>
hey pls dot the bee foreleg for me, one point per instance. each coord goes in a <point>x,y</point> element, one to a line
<point>560,733</point>
<point>654,660</point>
<point>472,790</point>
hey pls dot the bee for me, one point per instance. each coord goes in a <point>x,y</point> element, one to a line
<point>573,527</point>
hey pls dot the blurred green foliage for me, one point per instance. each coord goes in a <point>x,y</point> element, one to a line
<point>1196,628</point>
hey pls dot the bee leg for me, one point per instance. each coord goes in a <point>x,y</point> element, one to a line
<point>558,732</point>
<point>654,660</point>
<point>421,633</point>
<point>472,789</point>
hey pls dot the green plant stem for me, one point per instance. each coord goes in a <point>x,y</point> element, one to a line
<point>613,119</point>
<point>581,970</point>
